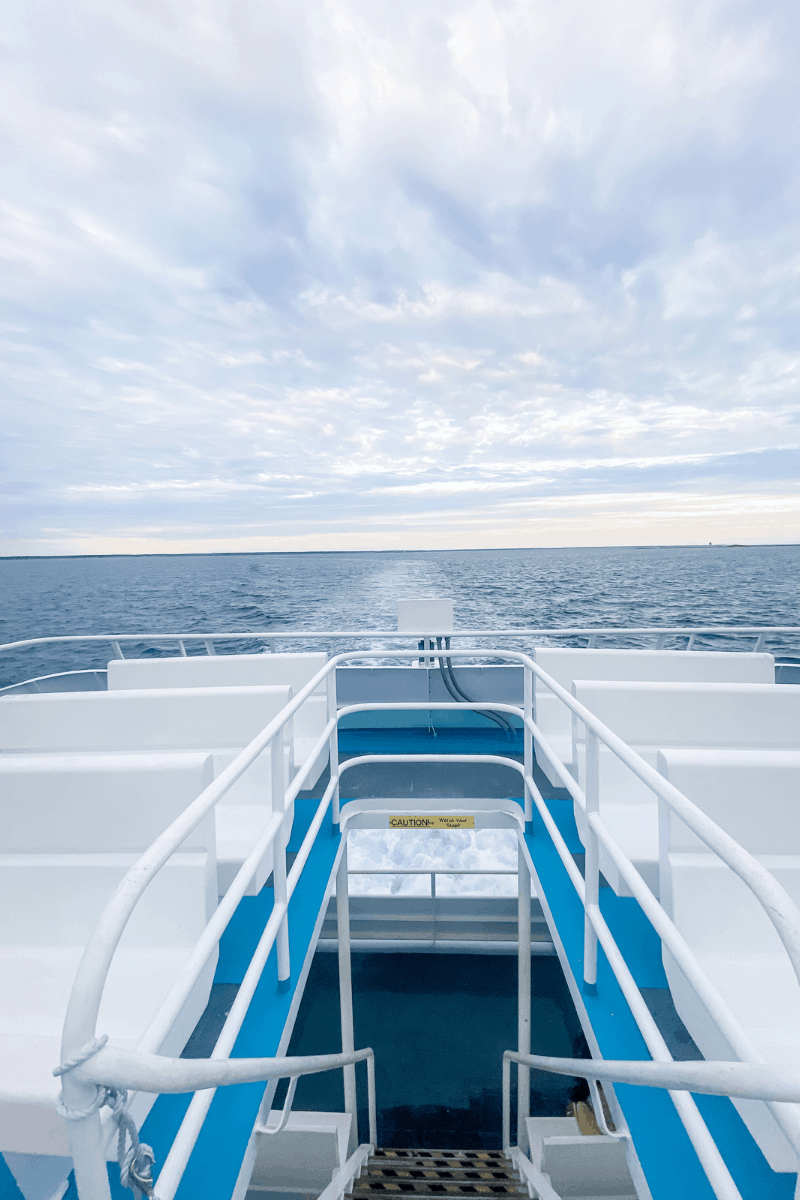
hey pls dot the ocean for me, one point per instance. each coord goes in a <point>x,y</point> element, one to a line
<point>491,589</point>
<point>625,586</point>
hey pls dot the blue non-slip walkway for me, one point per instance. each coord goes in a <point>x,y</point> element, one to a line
<point>213,1169</point>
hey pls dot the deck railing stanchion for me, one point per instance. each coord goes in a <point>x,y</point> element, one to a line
<point>182,648</point>
<point>523,992</point>
<point>209,644</point>
<point>506,1134</point>
<point>591,868</point>
<point>333,746</point>
<point>528,744</point>
<point>87,1143</point>
<point>279,857</point>
<point>115,646</point>
<point>345,983</point>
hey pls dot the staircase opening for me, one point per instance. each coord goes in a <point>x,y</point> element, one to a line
<point>438,1024</point>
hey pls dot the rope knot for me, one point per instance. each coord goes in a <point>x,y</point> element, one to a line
<point>137,1161</point>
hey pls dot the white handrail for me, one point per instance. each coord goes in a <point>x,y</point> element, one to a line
<point>346,1174</point>
<point>364,635</point>
<point>746,1081</point>
<point>90,979</point>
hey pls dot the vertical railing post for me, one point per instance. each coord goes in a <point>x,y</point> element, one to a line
<point>182,648</point>
<point>333,746</point>
<point>528,744</point>
<point>523,993</point>
<point>209,644</point>
<point>506,1133</point>
<point>115,646</point>
<point>87,1141</point>
<point>279,857</point>
<point>591,867</point>
<point>371,1109</point>
<point>346,985</point>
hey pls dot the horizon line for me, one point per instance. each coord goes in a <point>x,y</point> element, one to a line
<point>454,550</point>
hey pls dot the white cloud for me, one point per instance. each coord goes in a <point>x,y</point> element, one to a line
<point>401,257</point>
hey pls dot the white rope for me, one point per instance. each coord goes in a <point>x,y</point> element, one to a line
<point>136,1162</point>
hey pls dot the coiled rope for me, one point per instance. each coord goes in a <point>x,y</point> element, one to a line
<point>137,1160</point>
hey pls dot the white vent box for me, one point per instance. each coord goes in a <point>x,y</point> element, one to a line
<point>425,616</point>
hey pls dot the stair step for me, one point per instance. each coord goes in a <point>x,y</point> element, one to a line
<point>437,1174</point>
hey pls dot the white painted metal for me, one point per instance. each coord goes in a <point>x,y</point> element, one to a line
<point>427,617</point>
<point>343,1180</point>
<point>539,1185</point>
<point>528,745</point>
<point>280,895</point>
<point>303,635</point>
<point>304,1156</point>
<point>591,865</point>
<point>345,984</point>
<point>151,1070</point>
<point>753,1081</point>
<point>523,991</point>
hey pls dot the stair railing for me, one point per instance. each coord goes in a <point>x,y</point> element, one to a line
<point>89,1066</point>
<point>746,1081</point>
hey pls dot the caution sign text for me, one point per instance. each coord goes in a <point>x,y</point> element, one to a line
<point>418,821</point>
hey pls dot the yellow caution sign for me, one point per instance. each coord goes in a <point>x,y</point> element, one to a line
<point>419,821</point>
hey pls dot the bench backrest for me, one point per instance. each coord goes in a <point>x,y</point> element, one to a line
<point>764,716</point>
<point>668,666</point>
<point>56,900</point>
<point>164,719</point>
<point>217,670</point>
<point>752,794</point>
<point>99,803</point>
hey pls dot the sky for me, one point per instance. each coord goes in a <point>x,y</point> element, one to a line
<point>361,275</point>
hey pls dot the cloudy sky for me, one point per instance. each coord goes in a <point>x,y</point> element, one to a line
<point>361,274</point>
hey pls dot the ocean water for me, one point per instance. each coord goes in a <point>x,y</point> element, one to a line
<point>630,586</point>
<point>491,589</point>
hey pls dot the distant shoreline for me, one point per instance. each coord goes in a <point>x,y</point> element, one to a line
<point>454,550</point>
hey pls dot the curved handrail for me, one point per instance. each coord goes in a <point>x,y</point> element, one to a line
<point>79,1028</point>
<point>746,1081</point>
<point>84,1004</point>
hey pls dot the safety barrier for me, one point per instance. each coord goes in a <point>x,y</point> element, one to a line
<point>91,1067</point>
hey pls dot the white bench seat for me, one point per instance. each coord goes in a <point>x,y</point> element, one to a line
<point>654,716</point>
<point>70,828</point>
<point>754,796</point>
<point>565,665</point>
<point>220,721</point>
<point>239,670</point>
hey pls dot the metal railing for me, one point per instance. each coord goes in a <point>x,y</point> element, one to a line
<point>659,636</point>
<point>144,1069</point>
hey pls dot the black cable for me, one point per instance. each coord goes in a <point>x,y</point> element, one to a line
<point>449,679</point>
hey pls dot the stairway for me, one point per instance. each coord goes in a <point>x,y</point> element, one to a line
<point>438,1173</point>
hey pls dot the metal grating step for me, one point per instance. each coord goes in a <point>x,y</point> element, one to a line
<point>438,1173</point>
